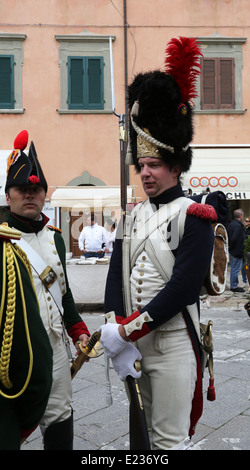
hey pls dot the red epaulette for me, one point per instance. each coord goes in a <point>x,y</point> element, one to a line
<point>51,227</point>
<point>203,211</point>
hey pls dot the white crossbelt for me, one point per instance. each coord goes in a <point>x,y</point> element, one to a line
<point>39,265</point>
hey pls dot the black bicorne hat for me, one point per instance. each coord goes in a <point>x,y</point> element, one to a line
<point>160,106</point>
<point>23,169</point>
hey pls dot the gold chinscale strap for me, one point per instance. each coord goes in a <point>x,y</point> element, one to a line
<point>11,267</point>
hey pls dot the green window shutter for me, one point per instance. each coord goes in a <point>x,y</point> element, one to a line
<point>75,82</point>
<point>94,83</point>
<point>6,81</point>
<point>85,83</point>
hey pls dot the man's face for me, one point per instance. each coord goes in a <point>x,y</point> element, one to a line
<point>26,201</point>
<point>247,222</point>
<point>156,176</point>
<point>90,221</point>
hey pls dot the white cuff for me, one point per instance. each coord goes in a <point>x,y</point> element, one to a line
<point>137,323</point>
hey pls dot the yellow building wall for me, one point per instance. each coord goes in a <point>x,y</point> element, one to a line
<point>69,144</point>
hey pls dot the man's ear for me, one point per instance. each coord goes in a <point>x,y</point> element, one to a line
<point>7,199</point>
<point>176,170</point>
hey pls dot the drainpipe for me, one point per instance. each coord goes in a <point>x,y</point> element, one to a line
<point>125,31</point>
<point>125,28</point>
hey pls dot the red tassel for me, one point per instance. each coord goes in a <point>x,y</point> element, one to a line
<point>211,390</point>
<point>33,179</point>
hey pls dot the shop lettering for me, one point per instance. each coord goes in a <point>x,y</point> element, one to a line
<point>236,196</point>
<point>214,181</point>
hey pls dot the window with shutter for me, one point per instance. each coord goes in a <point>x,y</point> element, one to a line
<point>6,81</point>
<point>226,83</point>
<point>217,83</point>
<point>85,83</point>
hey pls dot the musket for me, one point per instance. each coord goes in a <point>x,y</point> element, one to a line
<point>90,350</point>
<point>139,438</point>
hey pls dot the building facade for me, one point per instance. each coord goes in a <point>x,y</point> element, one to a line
<point>64,69</point>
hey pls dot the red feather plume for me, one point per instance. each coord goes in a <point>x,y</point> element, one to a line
<point>21,140</point>
<point>182,63</point>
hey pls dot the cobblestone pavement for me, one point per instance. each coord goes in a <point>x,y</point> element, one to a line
<point>225,423</point>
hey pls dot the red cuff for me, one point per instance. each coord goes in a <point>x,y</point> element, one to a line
<point>78,329</point>
<point>119,319</point>
<point>137,334</point>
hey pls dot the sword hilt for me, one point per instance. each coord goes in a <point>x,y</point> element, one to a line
<point>85,351</point>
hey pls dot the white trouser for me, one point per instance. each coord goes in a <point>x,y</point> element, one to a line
<point>59,404</point>
<point>167,385</point>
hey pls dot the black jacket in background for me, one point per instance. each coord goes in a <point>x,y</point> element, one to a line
<point>236,238</point>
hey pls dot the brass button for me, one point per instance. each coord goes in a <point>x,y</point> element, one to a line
<point>142,265</point>
<point>137,324</point>
<point>139,299</point>
<point>59,263</point>
<point>140,282</point>
<point>139,290</point>
<point>141,274</point>
<point>143,258</point>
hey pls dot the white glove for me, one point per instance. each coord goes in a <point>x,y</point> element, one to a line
<point>124,362</point>
<point>111,339</point>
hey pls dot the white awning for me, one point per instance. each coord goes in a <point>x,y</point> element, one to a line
<point>84,197</point>
<point>221,168</point>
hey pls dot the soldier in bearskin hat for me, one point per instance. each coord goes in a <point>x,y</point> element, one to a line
<point>162,260</point>
<point>43,245</point>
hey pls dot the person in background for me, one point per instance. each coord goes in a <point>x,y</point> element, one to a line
<point>247,226</point>
<point>236,239</point>
<point>43,245</point>
<point>92,239</point>
<point>110,236</point>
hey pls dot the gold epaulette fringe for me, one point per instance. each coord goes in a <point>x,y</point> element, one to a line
<point>9,233</point>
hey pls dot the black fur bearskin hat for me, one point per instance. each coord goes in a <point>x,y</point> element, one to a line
<point>161,110</point>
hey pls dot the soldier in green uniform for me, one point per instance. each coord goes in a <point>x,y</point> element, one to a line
<point>26,189</point>
<point>26,354</point>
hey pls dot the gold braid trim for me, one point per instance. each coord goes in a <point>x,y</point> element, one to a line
<point>9,256</point>
<point>10,317</point>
